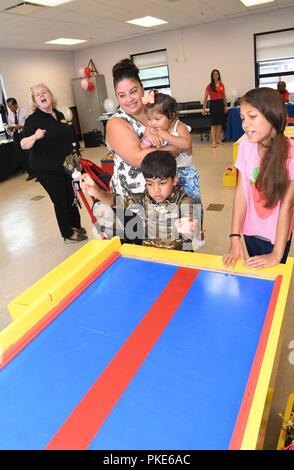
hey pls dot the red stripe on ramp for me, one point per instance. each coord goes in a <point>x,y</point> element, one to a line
<point>83,423</point>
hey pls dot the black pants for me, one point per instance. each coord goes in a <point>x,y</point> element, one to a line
<point>58,185</point>
<point>256,247</point>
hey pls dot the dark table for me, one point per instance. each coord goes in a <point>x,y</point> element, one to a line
<point>9,159</point>
<point>233,124</point>
<point>290,109</point>
<point>196,120</point>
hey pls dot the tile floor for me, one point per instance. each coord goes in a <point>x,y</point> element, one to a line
<point>31,245</point>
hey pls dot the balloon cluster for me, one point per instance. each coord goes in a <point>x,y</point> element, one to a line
<point>85,74</point>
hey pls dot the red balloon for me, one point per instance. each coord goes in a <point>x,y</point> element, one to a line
<point>91,86</point>
<point>88,72</point>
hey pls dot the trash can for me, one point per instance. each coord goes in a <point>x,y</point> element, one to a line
<point>93,138</point>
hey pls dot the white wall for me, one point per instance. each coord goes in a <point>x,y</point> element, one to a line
<point>226,45</point>
<point>21,69</point>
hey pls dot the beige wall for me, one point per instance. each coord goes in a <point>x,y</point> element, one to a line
<point>192,53</point>
<point>22,69</point>
<point>226,45</point>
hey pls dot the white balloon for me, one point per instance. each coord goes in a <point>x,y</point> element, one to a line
<point>109,105</point>
<point>84,83</point>
<point>67,112</point>
<point>233,95</point>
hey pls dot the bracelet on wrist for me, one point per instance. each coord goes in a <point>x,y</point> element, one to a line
<point>234,235</point>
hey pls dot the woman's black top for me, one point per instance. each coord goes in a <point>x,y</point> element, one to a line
<point>49,153</point>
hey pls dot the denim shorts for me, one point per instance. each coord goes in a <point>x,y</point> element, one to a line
<point>189,180</point>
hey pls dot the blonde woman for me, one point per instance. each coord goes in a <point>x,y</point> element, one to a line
<point>49,138</point>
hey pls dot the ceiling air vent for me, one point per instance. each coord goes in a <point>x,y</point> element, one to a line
<point>24,8</point>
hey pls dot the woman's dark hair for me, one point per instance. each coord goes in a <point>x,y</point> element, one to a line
<point>165,104</point>
<point>159,164</point>
<point>125,69</point>
<point>212,82</point>
<point>273,179</point>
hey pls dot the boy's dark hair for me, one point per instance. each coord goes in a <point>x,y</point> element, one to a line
<point>159,164</point>
<point>165,104</point>
<point>125,69</point>
<point>11,100</point>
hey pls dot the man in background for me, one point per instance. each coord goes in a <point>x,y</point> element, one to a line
<point>16,119</point>
<point>281,87</point>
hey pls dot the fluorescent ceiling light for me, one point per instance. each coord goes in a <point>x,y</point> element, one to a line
<point>253,3</point>
<point>147,21</point>
<point>66,41</point>
<point>50,3</point>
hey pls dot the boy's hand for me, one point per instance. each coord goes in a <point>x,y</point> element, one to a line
<point>236,251</point>
<point>185,225</point>
<point>88,185</point>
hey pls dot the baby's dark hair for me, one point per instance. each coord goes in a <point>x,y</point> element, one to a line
<point>125,69</point>
<point>163,103</point>
<point>159,164</point>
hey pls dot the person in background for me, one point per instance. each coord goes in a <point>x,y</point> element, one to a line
<point>218,106</point>
<point>16,117</point>
<point>281,87</point>
<point>264,198</point>
<point>171,219</point>
<point>50,138</point>
<point>163,121</point>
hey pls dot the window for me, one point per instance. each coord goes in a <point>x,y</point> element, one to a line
<point>274,53</point>
<point>153,70</point>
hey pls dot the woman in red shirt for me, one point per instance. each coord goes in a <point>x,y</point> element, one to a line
<point>283,92</point>
<point>218,106</point>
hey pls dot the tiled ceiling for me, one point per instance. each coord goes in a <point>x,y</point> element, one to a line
<point>103,21</point>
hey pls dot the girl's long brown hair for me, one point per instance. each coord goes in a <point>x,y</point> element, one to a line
<point>273,179</point>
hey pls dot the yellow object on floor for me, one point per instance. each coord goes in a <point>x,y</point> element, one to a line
<point>230,177</point>
<point>289,131</point>
<point>236,147</point>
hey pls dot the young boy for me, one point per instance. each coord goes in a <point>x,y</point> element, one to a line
<point>170,217</point>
